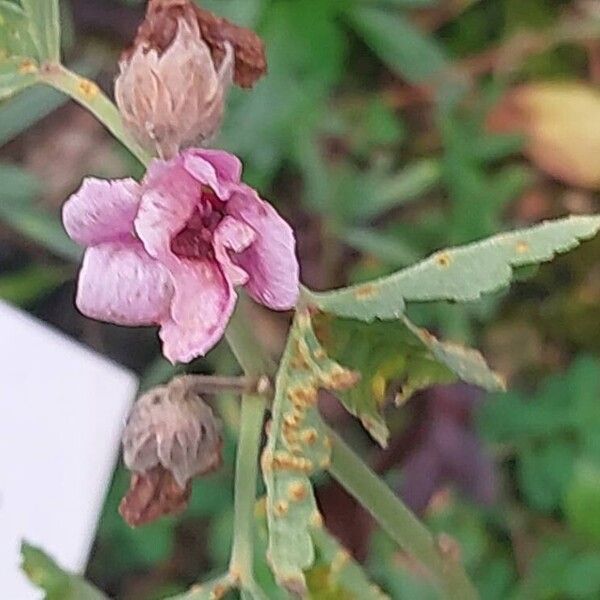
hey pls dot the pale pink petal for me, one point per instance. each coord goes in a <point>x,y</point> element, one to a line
<point>169,196</point>
<point>101,211</point>
<point>120,283</point>
<point>202,305</point>
<point>216,169</point>
<point>271,260</point>
<point>232,235</point>
<point>227,165</point>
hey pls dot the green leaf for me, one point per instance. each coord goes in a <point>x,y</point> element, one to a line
<point>17,191</point>
<point>296,448</point>
<point>409,184</point>
<point>396,357</point>
<point>44,27</point>
<point>403,3</point>
<point>459,274</point>
<point>210,590</point>
<point>384,246</point>
<point>399,44</point>
<point>18,114</point>
<point>343,577</point>
<point>16,74</point>
<point>241,12</point>
<point>582,579</point>
<point>305,47</point>
<point>566,406</point>
<point>544,473</point>
<point>25,286</point>
<point>14,32</point>
<point>582,500</point>
<point>561,569</point>
<point>56,583</point>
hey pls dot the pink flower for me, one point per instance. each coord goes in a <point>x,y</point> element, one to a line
<point>171,250</point>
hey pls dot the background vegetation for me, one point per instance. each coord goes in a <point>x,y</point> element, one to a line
<point>386,129</point>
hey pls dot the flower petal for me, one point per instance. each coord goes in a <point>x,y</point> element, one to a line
<point>101,211</point>
<point>200,311</point>
<point>169,197</point>
<point>271,260</point>
<point>236,236</point>
<point>120,283</point>
<point>216,169</point>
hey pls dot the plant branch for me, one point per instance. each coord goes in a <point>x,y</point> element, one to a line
<point>215,588</point>
<point>398,521</point>
<point>254,362</point>
<point>246,473</point>
<point>88,94</point>
<point>346,466</point>
<point>216,384</point>
<point>243,343</point>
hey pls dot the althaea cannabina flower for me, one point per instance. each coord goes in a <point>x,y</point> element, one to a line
<point>170,251</point>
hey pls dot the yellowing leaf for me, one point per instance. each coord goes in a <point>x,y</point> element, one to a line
<point>342,578</point>
<point>396,357</point>
<point>561,122</point>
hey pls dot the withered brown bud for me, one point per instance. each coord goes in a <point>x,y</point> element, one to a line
<point>174,79</point>
<point>153,495</point>
<point>171,437</point>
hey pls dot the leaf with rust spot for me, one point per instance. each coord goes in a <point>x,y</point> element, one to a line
<point>396,359</point>
<point>458,274</point>
<point>16,74</point>
<point>297,447</point>
<point>340,575</point>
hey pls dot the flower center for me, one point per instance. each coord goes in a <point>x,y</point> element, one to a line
<point>195,239</point>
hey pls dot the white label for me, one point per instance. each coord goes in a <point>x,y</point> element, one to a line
<point>62,410</point>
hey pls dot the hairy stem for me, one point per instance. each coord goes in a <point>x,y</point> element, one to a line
<point>246,472</point>
<point>217,384</point>
<point>89,95</point>
<point>254,363</point>
<point>397,520</point>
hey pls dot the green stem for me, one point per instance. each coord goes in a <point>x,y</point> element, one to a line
<point>246,473</point>
<point>215,588</point>
<point>397,520</point>
<point>89,95</point>
<point>243,343</point>
<point>219,384</point>
<point>254,362</point>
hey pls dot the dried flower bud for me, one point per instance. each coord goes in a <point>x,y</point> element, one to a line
<point>171,437</point>
<point>174,79</point>
<point>153,495</point>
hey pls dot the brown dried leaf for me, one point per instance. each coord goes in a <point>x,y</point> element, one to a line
<point>159,28</point>
<point>561,122</point>
<point>152,495</point>
<point>250,58</point>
